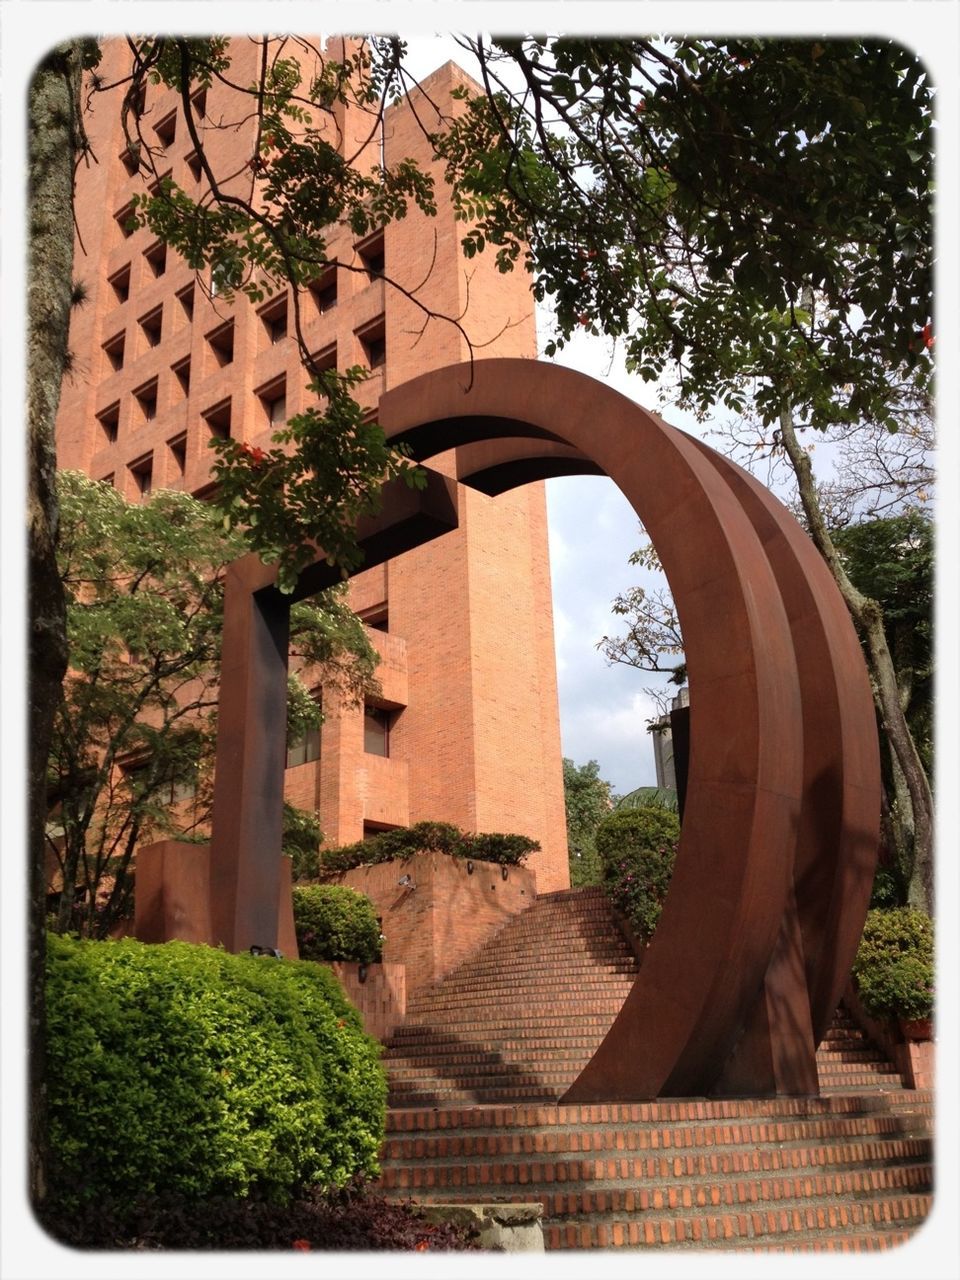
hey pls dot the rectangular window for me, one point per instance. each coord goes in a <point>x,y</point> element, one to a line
<point>152,326</point>
<point>220,342</point>
<point>323,290</point>
<point>376,731</point>
<point>124,220</point>
<point>193,164</point>
<point>109,420</point>
<point>218,420</point>
<point>181,371</point>
<point>373,339</point>
<point>274,318</point>
<point>166,130</point>
<point>113,350</point>
<point>273,397</point>
<point>370,252</point>
<point>120,283</point>
<point>156,257</point>
<point>304,749</point>
<point>146,398</point>
<point>142,472</point>
<point>185,298</point>
<point>130,159</point>
<point>377,617</point>
<point>178,450</point>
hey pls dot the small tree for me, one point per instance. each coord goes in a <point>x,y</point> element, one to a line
<point>637,849</point>
<point>134,733</point>
<point>587,800</point>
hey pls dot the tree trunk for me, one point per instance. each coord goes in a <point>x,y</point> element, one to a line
<point>868,617</point>
<point>54,140</point>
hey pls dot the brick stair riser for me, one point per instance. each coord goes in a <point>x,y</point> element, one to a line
<point>578,995</point>
<point>406,1042</point>
<point>877,1154</point>
<point>515,1019</point>
<point>695,1141</point>
<point>734,1192</point>
<point>733,1229</point>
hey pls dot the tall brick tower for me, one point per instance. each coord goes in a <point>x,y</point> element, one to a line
<point>467,727</point>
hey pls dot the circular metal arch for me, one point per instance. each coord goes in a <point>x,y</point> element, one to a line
<point>780,829</point>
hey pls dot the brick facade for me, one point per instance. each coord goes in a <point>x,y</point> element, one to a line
<point>468,670</point>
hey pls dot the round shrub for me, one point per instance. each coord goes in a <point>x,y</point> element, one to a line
<point>894,964</point>
<point>637,848</point>
<point>335,923</point>
<point>187,1069</point>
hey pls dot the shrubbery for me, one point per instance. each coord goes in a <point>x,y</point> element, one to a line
<point>894,964</point>
<point>637,848</point>
<point>186,1069</point>
<point>428,837</point>
<point>335,923</point>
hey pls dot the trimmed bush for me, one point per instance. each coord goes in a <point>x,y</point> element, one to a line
<point>187,1069</point>
<point>637,849</point>
<point>894,964</point>
<point>428,837</point>
<point>335,923</point>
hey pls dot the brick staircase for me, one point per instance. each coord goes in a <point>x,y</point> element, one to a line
<point>477,1066</point>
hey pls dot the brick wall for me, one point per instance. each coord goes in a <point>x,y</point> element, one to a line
<point>434,926</point>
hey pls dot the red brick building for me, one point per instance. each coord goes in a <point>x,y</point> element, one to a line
<point>467,728</point>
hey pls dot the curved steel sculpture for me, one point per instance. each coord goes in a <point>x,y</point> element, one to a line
<point>781,823</point>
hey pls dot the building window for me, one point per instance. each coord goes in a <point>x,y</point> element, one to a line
<point>142,472</point>
<point>324,290</point>
<point>185,298</point>
<point>218,420</point>
<point>108,479</point>
<point>113,350</point>
<point>376,730</point>
<point>304,749</point>
<point>130,159</point>
<point>220,342</point>
<point>156,257</point>
<point>152,326</point>
<point>377,617</point>
<point>373,339</point>
<point>178,449</point>
<point>193,164</point>
<point>146,398</point>
<point>166,130</point>
<point>274,319</point>
<point>274,401</point>
<point>181,371</point>
<point>124,220</point>
<point>109,420</point>
<point>120,283</point>
<point>199,103</point>
<point>370,252</point>
<point>160,184</point>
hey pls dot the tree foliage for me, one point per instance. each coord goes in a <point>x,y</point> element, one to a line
<point>134,732</point>
<point>754,215</point>
<point>264,223</point>
<point>587,800</point>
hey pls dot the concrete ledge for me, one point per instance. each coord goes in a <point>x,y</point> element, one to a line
<point>514,1228</point>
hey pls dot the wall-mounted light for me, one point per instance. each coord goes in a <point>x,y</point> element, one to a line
<point>469,867</point>
<point>406,882</point>
<point>503,873</point>
<point>361,973</point>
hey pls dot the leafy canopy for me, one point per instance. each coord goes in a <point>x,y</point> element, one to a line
<point>754,215</point>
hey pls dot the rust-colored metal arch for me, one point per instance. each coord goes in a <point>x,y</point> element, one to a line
<point>780,830</point>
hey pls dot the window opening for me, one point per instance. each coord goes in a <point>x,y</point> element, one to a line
<point>324,290</point>
<point>120,283</point>
<point>220,342</point>
<point>218,420</point>
<point>113,350</point>
<point>156,257</point>
<point>142,472</point>
<point>274,401</point>
<point>372,255</point>
<point>274,319</point>
<point>166,130</point>
<point>181,371</point>
<point>152,326</point>
<point>376,731</point>
<point>146,398</point>
<point>373,339</point>
<point>109,420</point>
<point>178,448</point>
<point>185,298</point>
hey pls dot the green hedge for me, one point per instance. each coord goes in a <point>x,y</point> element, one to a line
<point>188,1069</point>
<point>637,849</point>
<point>335,923</point>
<point>894,964</point>
<point>428,837</point>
